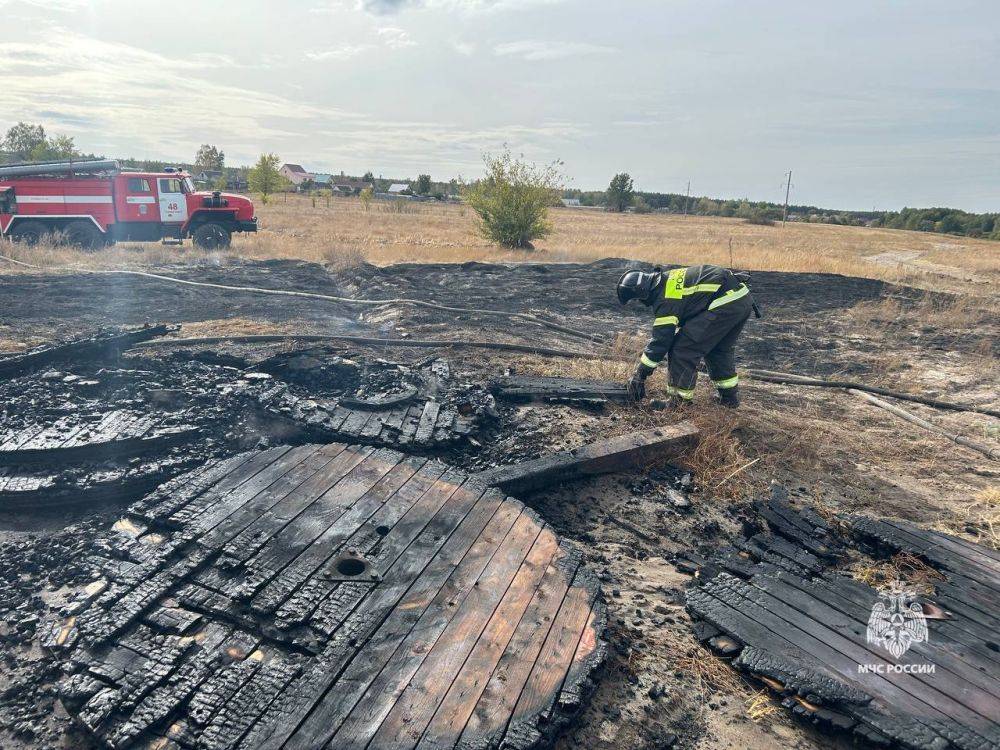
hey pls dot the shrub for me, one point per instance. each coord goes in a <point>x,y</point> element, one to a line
<point>342,258</point>
<point>640,206</point>
<point>757,216</point>
<point>754,214</point>
<point>366,197</point>
<point>398,206</point>
<point>512,200</point>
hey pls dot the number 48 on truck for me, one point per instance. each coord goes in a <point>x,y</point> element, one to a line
<point>96,203</point>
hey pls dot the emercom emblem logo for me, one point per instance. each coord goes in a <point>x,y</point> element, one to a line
<point>897,622</point>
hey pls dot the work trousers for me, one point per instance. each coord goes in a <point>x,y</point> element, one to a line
<point>711,336</point>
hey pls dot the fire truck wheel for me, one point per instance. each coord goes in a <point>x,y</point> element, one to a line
<point>29,232</point>
<point>211,236</point>
<point>83,234</point>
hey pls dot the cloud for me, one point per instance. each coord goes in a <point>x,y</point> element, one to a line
<point>389,37</point>
<point>464,48</point>
<point>388,7</point>
<point>531,49</point>
<point>343,52</point>
<point>63,6</point>
<point>101,92</point>
<point>395,38</point>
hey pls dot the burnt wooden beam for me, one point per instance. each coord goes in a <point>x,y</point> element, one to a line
<point>614,454</point>
<point>101,346</point>
<point>527,389</point>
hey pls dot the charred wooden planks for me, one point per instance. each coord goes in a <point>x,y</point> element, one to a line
<point>794,620</point>
<point>614,454</point>
<point>332,595</point>
<point>102,346</point>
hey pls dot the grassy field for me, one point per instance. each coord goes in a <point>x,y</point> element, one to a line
<point>340,232</point>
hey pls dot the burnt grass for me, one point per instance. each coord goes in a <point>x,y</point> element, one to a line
<point>644,698</point>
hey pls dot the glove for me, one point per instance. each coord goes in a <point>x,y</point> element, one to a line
<point>636,387</point>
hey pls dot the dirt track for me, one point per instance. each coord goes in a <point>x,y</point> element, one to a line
<point>807,439</point>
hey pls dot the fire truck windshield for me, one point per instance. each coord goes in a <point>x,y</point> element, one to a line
<point>188,185</point>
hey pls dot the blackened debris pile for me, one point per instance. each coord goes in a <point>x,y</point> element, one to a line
<point>95,431</point>
<point>898,667</point>
<point>329,596</point>
<point>90,434</point>
<point>390,404</point>
<point>103,346</point>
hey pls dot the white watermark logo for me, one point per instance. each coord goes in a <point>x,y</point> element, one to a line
<point>897,622</point>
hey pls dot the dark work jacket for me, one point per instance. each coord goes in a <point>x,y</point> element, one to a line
<point>682,294</point>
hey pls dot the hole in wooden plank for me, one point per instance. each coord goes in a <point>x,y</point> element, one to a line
<point>351,566</point>
<point>381,530</point>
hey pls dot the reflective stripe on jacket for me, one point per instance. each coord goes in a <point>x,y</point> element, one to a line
<point>687,292</point>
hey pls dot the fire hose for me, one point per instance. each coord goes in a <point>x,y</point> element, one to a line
<point>762,375</point>
<point>527,317</point>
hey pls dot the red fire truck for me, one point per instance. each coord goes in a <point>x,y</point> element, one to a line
<point>95,203</point>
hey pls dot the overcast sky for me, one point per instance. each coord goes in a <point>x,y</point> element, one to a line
<point>871,103</point>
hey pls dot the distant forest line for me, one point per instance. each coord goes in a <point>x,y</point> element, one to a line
<point>941,220</point>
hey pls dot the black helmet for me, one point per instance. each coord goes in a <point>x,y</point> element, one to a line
<point>638,285</point>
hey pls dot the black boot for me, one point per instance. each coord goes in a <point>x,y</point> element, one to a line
<point>730,397</point>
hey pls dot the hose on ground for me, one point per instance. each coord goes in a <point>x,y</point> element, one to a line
<point>989,452</point>
<point>764,375</point>
<point>367,340</point>
<point>791,379</point>
<point>527,317</point>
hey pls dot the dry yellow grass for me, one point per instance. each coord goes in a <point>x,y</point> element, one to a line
<point>904,567</point>
<point>980,518</point>
<point>340,231</point>
<point>761,707</point>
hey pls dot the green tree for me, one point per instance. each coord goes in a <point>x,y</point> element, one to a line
<point>368,177</point>
<point>512,200</point>
<point>57,147</point>
<point>264,176</point>
<point>423,186</point>
<point>209,157</point>
<point>620,192</point>
<point>22,139</point>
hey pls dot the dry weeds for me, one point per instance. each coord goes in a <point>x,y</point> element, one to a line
<point>711,671</point>
<point>902,566</point>
<point>292,227</point>
<point>235,327</point>
<point>979,519</point>
<point>761,708</point>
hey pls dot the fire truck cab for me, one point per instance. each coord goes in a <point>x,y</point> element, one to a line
<point>96,203</point>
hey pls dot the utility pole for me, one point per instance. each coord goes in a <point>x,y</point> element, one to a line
<point>788,189</point>
<point>687,198</point>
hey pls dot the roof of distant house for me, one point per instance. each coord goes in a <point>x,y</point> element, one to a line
<point>570,202</point>
<point>296,168</point>
<point>398,187</point>
<point>322,177</point>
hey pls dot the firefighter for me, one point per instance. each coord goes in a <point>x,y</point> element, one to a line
<point>699,314</point>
